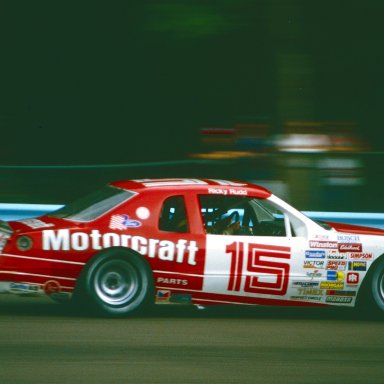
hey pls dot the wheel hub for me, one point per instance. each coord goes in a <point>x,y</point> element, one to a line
<point>116,282</point>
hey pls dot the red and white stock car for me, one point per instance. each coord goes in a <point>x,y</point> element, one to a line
<point>190,241</point>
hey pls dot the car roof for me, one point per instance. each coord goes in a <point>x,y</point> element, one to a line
<point>210,186</point>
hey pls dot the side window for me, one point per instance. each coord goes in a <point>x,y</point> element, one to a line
<point>226,215</point>
<point>241,215</point>
<point>173,217</point>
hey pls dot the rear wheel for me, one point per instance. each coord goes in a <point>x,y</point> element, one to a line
<point>118,283</point>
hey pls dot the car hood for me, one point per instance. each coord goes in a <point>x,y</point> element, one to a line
<point>349,228</point>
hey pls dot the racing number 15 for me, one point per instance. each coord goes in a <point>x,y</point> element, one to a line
<point>261,276</point>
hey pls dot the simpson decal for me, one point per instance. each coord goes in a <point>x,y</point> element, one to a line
<point>361,256</point>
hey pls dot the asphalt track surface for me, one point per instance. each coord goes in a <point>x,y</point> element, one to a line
<point>45,342</point>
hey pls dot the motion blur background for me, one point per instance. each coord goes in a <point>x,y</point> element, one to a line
<point>286,93</point>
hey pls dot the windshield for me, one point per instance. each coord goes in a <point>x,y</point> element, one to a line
<point>266,211</point>
<point>94,205</point>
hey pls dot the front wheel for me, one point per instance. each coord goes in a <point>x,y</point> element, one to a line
<point>377,286</point>
<point>118,283</point>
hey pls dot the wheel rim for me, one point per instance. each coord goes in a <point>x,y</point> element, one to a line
<point>116,282</point>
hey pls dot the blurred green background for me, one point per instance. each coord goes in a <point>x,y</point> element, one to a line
<point>287,93</point>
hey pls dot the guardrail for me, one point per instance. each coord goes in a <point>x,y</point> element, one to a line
<point>10,211</point>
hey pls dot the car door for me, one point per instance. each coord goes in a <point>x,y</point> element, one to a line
<point>251,256</point>
<point>180,256</point>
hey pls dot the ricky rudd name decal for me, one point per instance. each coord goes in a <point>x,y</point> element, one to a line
<point>63,240</point>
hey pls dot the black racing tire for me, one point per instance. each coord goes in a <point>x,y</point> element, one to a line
<point>377,286</point>
<point>118,283</point>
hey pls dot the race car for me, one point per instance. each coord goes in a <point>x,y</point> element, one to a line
<point>190,241</point>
